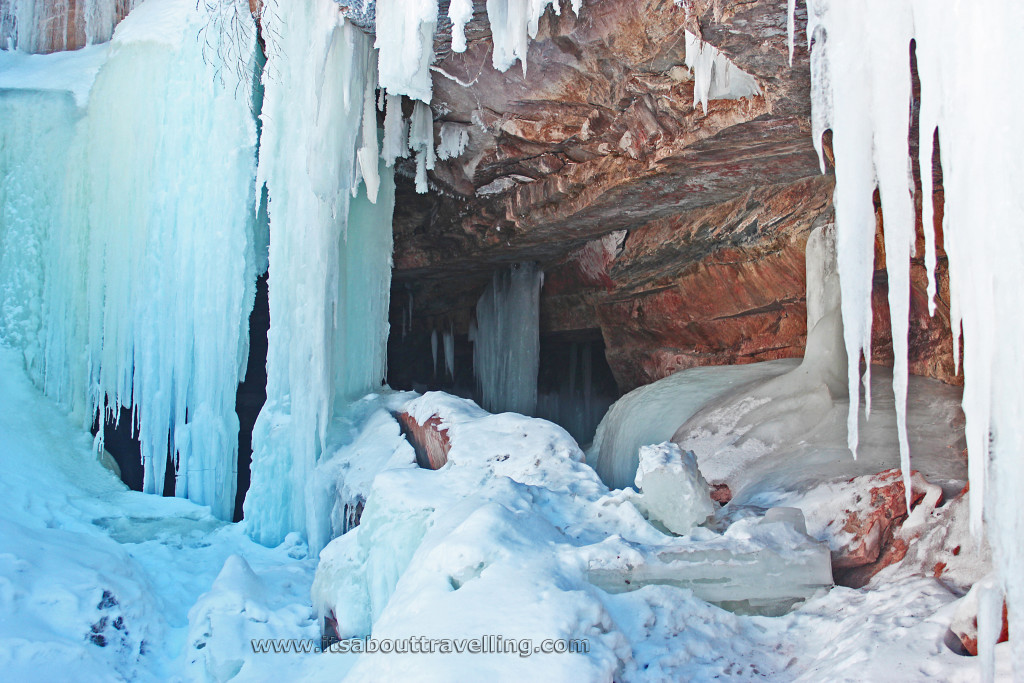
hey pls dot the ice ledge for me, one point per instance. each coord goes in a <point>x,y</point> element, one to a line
<point>72,72</point>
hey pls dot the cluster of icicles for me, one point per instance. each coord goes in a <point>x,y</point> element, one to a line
<point>968,56</point>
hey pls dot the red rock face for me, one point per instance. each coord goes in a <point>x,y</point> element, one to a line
<point>721,494</point>
<point>429,440</point>
<point>873,520</point>
<point>601,135</point>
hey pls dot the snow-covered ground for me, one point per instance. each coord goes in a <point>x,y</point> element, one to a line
<point>113,584</point>
<point>102,583</point>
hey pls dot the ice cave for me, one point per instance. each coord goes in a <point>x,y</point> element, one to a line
<point>461,340</point>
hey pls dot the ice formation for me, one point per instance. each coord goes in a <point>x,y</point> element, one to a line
<point>861,91</point>
<point>714,76</point>
<point>652,413</point>
<point>405,39</point>
<point>506,346</point>
<point>119,292</point>
<point>454,138</point>
<point>448,340</point>
<point>787,407</point>
<point>672,489</point>
<point>514,23</point>
<point>330,257</point>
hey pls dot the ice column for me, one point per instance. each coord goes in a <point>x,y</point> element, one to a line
<point>506,349</point>
<point>330,253</point>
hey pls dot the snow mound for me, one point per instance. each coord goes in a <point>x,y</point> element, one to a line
<point>514,514</point>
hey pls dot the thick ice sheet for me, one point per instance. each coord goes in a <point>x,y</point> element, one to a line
<point>72,72</point>
<point>652,413</point>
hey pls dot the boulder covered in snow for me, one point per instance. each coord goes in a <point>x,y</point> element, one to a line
<point>674,493</point>
<point>965,620</point>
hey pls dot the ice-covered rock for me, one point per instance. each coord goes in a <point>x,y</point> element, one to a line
<point>673,492</point>
<point>653,413</point>
<point>965,619</point>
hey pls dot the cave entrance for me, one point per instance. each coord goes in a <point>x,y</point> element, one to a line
<point>417,360</point>
<point>575,384</point>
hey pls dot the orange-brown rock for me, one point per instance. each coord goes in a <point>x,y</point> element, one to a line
<point>599,135</point>
<point>429,440</point>
<point>968,632</point>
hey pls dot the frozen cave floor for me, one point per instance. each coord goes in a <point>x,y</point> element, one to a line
<point>116,585</point>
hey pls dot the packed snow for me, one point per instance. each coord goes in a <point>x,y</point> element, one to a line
<point>503,540</point>
<point>72,72</point>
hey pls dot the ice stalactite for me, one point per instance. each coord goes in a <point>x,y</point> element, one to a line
<point>459,13</point>
<point>405,38</point>
<point>714,76</point>
<point>513,24</point>
<point>506,348</point>
<point>449,352</point>
<point>433,349</point>
<point>396,131</point>
<point>421,142</point>
<point>454,138</point>
<point>861,90</point>
<point>330,256</point>
<point>139,296</point>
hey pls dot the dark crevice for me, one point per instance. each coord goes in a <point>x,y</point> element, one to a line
<point>252,392</point>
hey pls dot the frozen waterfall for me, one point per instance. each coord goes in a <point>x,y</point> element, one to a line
<point>128,267</point>
<point>330,251</point>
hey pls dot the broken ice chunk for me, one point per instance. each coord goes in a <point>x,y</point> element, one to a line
<point>673,492</point>
<point>758,566</point>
